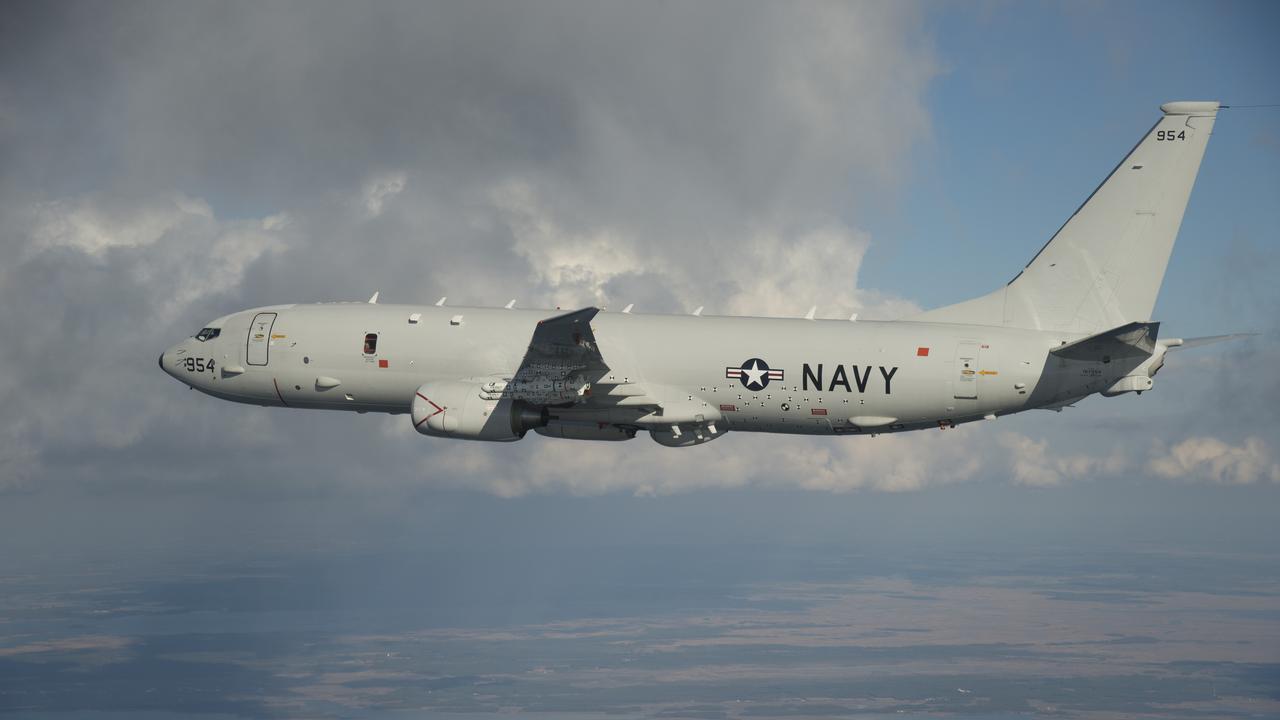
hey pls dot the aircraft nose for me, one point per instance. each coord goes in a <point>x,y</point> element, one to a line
<point>166,362</point>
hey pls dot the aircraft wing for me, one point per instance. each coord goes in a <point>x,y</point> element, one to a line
<point>565,366</point>
<point>560,363</point>
<point>565,336</point>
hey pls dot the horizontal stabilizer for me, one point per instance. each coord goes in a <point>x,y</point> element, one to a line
<point>1134,340</point>
<point>1208,340</point>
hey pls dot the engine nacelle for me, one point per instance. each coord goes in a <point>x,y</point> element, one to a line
<point>458,409</point>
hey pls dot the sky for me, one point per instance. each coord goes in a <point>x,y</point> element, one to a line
<point>163,164</point>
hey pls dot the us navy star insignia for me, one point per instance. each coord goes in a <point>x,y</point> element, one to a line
<point>754,374</point>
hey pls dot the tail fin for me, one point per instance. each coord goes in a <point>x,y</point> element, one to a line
<point>1103,268</point>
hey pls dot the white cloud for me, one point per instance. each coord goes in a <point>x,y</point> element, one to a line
<point>94,226</point>
<point>602,154</point>
<point>1208,458</point>
<point>96,291</point>
<point>1032,463</point>
<point>381,189</point>
<point>769,271</point>
<point>783,272</point>
<point>575,267</point>
<point>892,463</point>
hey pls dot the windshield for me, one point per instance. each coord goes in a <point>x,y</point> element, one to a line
<point>208,334</point>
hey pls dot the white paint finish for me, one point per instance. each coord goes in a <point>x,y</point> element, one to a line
<point>852,361</point>
<point>1068,327</point>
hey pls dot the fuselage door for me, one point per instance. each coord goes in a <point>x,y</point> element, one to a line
<point>966,380</point>
<point>259,338</point>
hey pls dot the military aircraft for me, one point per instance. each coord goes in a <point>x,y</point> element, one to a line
<point>1075,321</point>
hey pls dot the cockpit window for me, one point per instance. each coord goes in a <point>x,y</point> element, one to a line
<point>208,334</point>
<point>371,344</point>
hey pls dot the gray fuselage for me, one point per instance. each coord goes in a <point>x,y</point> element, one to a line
<point>823,377</point>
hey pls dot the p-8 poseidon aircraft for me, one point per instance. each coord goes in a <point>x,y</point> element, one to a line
<point>1075,321</point>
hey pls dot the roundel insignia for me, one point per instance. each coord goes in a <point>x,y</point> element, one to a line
<point>754,374</point>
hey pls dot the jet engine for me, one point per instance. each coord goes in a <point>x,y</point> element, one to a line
<point>458,409</point>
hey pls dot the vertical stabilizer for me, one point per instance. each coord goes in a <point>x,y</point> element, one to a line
<point>1103,268</point>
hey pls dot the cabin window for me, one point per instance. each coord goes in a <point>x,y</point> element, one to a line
<point>371,344</point>
<point>208,334</point>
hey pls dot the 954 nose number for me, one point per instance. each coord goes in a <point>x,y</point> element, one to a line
<point>197,365</point>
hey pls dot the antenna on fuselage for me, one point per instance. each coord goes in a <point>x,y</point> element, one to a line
<point>373,300</point>
<point>440,302</point>
<point>511,304</point>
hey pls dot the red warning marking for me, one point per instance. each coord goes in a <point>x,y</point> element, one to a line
<point>382,363</point>
<point>818,411</point>
<point>922,352</point>
<point>428,401</point>
<point>728,408</point>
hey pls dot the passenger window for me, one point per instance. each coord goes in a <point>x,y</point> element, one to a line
<point>371,344</point>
